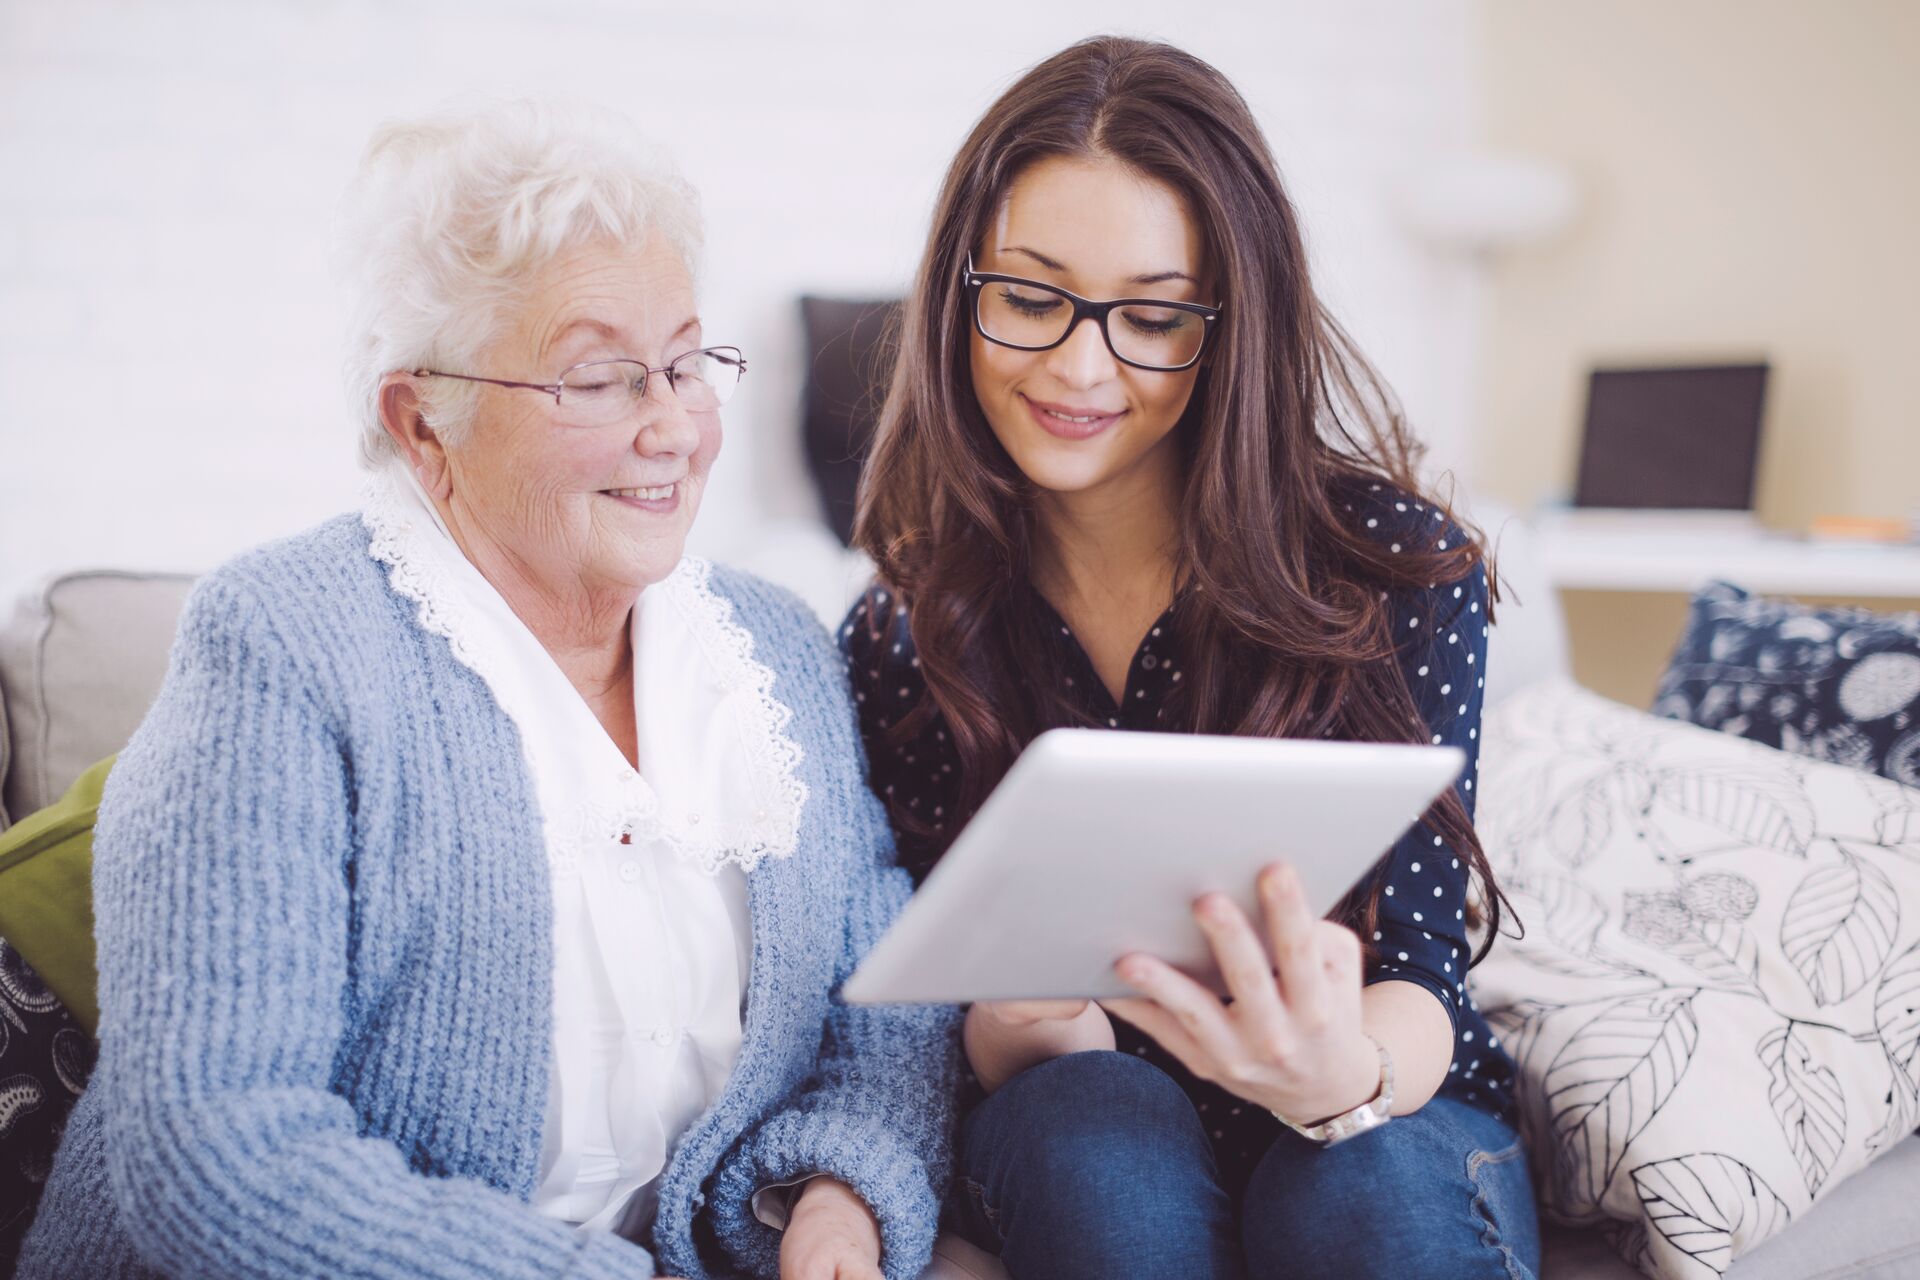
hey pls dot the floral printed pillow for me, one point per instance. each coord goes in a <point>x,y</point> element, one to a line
<point>45,1059</point>
<point>1715,1009</point>
<point>1832,683</point>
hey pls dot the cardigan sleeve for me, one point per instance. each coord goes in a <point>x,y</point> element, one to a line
<point>224,926</point>
<point>877,1113</point>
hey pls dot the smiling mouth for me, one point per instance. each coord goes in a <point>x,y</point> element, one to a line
<point>658,493</point>
<point>1061,415</point>
<point>1062,421</point>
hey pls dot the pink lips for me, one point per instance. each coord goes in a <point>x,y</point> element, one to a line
<point>1053,419</point>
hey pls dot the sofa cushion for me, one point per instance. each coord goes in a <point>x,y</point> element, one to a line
<point>1715,1008</point>
<point>1866,1230</point>
<point>1839,684</point>
<point>80,662</point>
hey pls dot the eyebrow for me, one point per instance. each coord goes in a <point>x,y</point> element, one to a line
<point>1156,277</point>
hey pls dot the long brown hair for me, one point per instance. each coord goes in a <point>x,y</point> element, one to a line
<point>1284,614</point>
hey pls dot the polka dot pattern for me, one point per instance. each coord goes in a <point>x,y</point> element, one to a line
<point>1421,935</point>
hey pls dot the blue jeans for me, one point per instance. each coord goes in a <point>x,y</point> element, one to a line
<point>1096,1165</point>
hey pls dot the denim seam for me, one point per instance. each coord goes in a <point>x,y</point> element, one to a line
<point>992,1215</point>
<point>1490,1234</point>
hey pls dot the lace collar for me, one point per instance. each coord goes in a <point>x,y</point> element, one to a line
<point>724,790</point>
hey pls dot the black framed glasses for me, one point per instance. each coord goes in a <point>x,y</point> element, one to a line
<point>1150,333</point>
<point>597,393</point>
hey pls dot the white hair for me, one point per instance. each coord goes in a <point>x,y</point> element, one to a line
<point>451,218</point>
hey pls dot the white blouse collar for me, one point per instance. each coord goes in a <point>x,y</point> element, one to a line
<point>718,782</point>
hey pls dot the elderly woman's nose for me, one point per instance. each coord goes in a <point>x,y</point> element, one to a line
<point>665,425</point>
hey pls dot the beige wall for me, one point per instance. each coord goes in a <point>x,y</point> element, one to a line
<point>1751,185</point>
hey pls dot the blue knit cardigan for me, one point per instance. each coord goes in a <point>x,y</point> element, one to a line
<point>325,951</point>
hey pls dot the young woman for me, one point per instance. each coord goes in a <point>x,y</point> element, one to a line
<point>1130,474</point>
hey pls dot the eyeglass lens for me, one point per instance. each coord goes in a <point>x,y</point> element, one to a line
<point>606,391</point>
<point>1029,315</point>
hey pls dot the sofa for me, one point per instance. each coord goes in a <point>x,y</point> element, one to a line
<point>81,657</point>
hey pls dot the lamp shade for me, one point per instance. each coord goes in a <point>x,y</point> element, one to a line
<point>1480,202</point>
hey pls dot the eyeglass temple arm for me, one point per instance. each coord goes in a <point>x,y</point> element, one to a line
<point>551,388</point>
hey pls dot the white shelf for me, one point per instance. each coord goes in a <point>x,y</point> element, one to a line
<point>1660,552</point>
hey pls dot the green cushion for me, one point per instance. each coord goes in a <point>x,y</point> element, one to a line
<point>46,893</point>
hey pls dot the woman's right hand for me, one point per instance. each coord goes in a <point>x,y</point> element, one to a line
<point>1005,1037</point>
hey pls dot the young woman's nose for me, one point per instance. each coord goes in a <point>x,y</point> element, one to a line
<point>1083,360</point>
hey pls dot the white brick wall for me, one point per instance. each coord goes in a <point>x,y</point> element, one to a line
<point>169,330</point>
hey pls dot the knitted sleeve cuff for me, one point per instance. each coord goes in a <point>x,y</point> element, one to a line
<point>863,1153</point>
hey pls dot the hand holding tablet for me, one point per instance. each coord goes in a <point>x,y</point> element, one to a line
<point>1291,1038</point>
<point>1097,844</point>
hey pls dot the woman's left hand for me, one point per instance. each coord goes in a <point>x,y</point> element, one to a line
<point>1291,1041</point>
<point>831,1235</point>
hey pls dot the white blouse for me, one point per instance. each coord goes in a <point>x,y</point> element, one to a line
<point>651,929</point>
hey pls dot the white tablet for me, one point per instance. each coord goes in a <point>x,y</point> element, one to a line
<point>1097,842</point>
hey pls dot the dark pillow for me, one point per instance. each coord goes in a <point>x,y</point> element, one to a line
<point>48,1009</point>
<point>1836,684</point>
<point>847,368</point>
<point>45,1059</point>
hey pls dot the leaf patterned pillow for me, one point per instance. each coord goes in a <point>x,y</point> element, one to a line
<point>1833,683</point>
<point>1715,1009</point>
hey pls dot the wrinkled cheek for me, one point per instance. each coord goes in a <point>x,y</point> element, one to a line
<point>712,435</point>
<point>705,454</point>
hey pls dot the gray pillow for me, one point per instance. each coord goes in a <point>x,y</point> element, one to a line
<point>80,662</point>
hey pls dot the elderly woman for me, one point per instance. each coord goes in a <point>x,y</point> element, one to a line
<point>472,900</point>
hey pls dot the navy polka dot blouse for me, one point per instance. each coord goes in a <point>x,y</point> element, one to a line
<point>1421,935</point>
